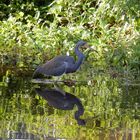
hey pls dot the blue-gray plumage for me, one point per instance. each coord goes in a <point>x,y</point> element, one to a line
<point>64,102</point>
<point>62,64</point>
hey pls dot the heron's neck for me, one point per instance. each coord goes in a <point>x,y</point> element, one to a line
<point>80,58</point>
<point>80,110</point>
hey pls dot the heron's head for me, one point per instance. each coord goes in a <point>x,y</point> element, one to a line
<point>85,46</point>
<point>82,44</point>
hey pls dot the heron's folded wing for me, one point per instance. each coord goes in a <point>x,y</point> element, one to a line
<point>53,70</point>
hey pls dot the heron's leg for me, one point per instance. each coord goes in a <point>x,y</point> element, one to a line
<point>56,86</point>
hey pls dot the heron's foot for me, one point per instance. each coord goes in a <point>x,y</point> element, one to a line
<point>69,82</point>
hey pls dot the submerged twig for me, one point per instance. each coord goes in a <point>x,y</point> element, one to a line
<point>67,82</point>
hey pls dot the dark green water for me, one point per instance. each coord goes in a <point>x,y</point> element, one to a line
<point>111,110</point>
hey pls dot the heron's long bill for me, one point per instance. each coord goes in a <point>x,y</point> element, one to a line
<point>91,48</point>
<point>87,47</point>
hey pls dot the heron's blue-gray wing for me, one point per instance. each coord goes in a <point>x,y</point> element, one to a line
<point>54,67</point>
<point>55,70</point>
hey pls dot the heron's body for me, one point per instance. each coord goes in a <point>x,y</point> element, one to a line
<point>57,66</point>
<point>61,64</point>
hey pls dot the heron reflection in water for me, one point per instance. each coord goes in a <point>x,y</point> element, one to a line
<point>64,102</point>
<point>62,64</point>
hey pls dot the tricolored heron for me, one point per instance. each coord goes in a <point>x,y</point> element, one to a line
<point>58,100</point>
<point>62,64</point>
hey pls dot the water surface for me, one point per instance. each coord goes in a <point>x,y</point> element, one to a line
<point>111,110</point>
